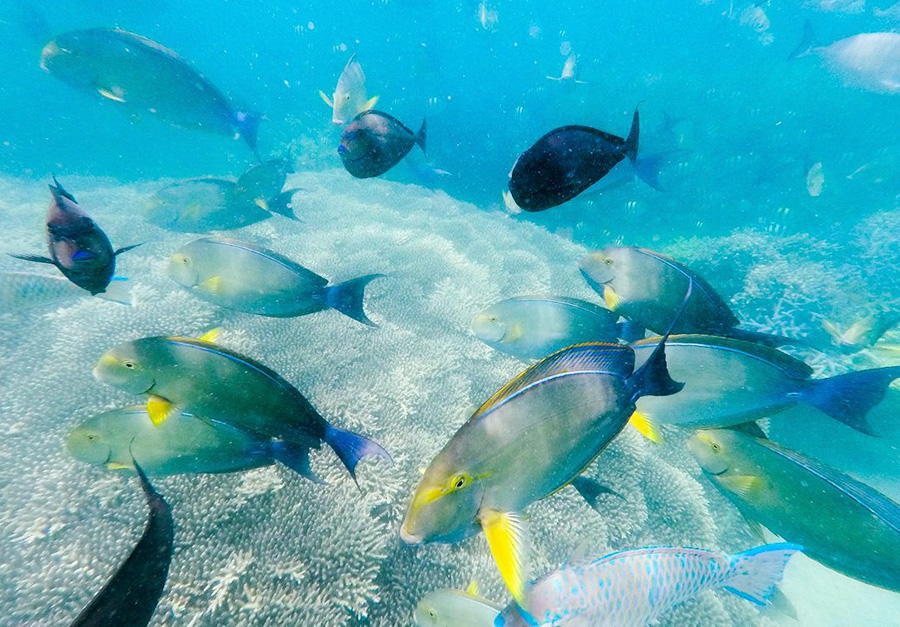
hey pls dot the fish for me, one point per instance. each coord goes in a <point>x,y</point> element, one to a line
<point>531,438</point>
<point>184,375</point>
<point>455,608</point>
<point>637,587</point>
<point>863,333</point>
<point>349,98</point>
<point>568,72</point>
<point>185,444</point>
<point>143,77</point>
<point>591,491</point>
<point>245,277</point>
<point>868,61</point>
<point>566,161</point>
<point>131,595</point>
<point>78,247</point>
<point>729,382</point>
<point>646,287</point>
<point>261,185</point>
<point>842,523</point>
<point>23,291</point>
<point>532,327</point>
<point>374,142</point>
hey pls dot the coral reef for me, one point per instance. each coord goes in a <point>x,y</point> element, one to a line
<point>266,546</point>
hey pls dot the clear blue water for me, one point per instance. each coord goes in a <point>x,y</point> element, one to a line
<point>740,126</point>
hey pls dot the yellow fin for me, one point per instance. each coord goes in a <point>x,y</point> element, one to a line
<point>159,409</point>
<point>507,537</point>
<point>472,588</point>
<point>261,203</point>
<point>212,284</point>
<point>370,103</point>
<point>326,99</point>
<point>211,336</point>
<point>118,466</point>
<point>645,427</point>
<point>740,484</point>
<point>111,94</point>
<point>610,297</point>
<point>514,333</point>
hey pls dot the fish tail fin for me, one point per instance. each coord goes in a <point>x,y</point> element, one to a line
<point>352,447</point>
<point>647,169</point>
<point>283,203</point>
<point>59,191</point>
<point>756,572</point>
<point>591,490</point>
<point>849,397</point>
<point>653,378</point>
<point>807,43</point>
<point>247,125</point>
<point>347,297</point>
<point>294,456</point>
<point>420,137</point>
<point>631,142</point>
<point>118,291</point>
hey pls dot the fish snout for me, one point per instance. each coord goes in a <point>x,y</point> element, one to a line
<point>408,538</point>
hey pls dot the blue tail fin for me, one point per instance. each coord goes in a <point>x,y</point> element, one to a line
<point>352,447</point>
<point>419,137</point>
<point>247,125</point>
<point>631,143</point>
<point>591,491</point>
<point>849,397</point>
<point>293,456</point>
<point>347,297</point>
<point>283,203</point>
<point>756,572</point>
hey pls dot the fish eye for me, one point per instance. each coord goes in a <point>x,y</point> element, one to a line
<point>715,447</point>
<point>608,261</point>
<point>128,364</point>
<point>460,481</point>
<point>91,437</point>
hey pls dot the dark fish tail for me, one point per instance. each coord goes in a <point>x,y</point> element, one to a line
<point>283,203</point>
<point>849,397</point>
<point>352,447</point>
<point>419,137</point>
<point>294,456</point>
<point>347,297</point>
<point>807,43</point>
<point>59,191</point>
<point>591,491</point>
<point>247,125</point>
<point>631,142</point>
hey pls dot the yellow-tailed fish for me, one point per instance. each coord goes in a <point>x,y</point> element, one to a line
<point>455,608</point>
<point>349,98</point>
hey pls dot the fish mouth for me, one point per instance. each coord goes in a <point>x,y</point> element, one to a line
<point>408,538</point>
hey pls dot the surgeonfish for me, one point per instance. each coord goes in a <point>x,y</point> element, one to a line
<point>374,142</point>
<point>869,61</point>
<point>144,77</point>
<point>566,161</point>
<point>78,247</point>
<point>195,376</point>
<point>728,382</point>
<point>349,98</point>
<point>646,287</point>
<point>131,595</point>
<point>531,438</point>
<point>183,445</point>
<point>863,333</point>
<point>455,608</point>
<point>532,327</point>
<point>21,291</point>
<point>245,277</point>
<point>841,522</point>
<point>261,185</point>
<point>637,587</point>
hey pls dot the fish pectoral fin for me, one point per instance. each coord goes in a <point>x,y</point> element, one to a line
<point>610,297</point>
<point>211,336</point>
<point>514,333</point>
<point>160,409</point>
<point>507,537</point>
<point>370,104</point>
<point>741,485</point>
<point>261,203</point>
<point>831,330</point>
<point>756,529</point>
<point>646,427</point>
<point>213,284</point>
<point>325,97</point>
<point>115,93</point>
<point>472,588</point>
<point>118,466</point>
<point>125,249</point>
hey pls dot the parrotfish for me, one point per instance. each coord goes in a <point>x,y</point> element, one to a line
<point>565,162</point>
<point>130,597</point>
<point>78,247</point>
<point>637,587</point>
<point>455,608</point>
<point>196,376</point>
<point>532,327</point>
<point>252,279</point>
<point>20,291</point>
<point>349,98</point>
<point>863,333</point>
<point>646,287</point>
<point>183,445</point>
<point>531,438</point>
<point>144,77</point>
<point>841,522</point>
<point>374,142</point>
<point>728,382</point>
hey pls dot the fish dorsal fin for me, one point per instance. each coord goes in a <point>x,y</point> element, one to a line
<point>590,358</point>
<point>741,485</point>
<point>210,336</point>
<point>868,497</point>
<point>472,588</point>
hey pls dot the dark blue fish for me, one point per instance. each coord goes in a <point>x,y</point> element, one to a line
<point>78,247</point>
<point>130,597</point>
<point>374,142</point>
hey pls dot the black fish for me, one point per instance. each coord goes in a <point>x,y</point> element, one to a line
<point>565,162</point>
<point>78,247</point>
<point>130,597</point>
<point>374,142</point>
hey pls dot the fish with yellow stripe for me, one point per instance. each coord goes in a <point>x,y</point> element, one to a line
<point>530,439</point>
<point>349,97</point>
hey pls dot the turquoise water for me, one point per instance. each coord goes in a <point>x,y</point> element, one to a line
<point>780,188</point>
